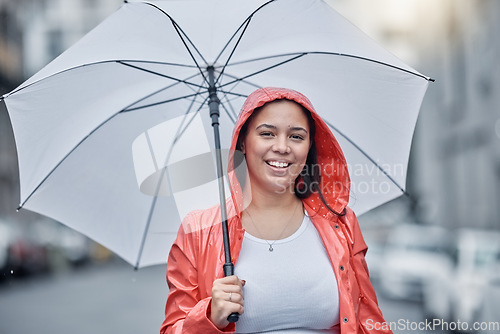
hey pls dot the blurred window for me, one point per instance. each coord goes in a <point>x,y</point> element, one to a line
<point>55,43</point>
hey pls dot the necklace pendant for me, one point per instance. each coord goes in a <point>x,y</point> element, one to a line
<point>271,248</point>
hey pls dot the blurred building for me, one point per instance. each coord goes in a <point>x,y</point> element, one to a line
<point>51,26</point>
<point>454,173</point>
<point>32,33</point>
<point>456,158</point>
<point>11,70</point>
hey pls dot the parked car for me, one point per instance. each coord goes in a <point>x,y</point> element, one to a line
<point>64,245</point>
<point>31,248</point>
<point>4,249</point>
<point>462,294</point>
<point>413,255</point>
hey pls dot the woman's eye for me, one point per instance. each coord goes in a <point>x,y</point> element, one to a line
<point>266,134</point>
<point>299,137</point>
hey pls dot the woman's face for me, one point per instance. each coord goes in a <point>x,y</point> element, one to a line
<point>276,146</point>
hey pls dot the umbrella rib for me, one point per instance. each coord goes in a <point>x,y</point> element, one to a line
<point>156,62</point>
<point>234,49</point>
<point>180,133</point>
<point>232,93</point>
<point>64,158</point>
<point>150,146</point>
<point>179,30</point>
<point>181,33</point>
<point>225,97</point>
<point>246,21</point>
<point>151,210</point>
<point>181,129</point>
<point>164,173</point>
<point>269,57</point>
<point>85,138</point>
<point>333,54</point>
<point>227,111</point>
<point>264,70</point>
<point>256,86</point>
<point>89,64</point>
<point>374,61</point>
<point>238,81</point>
<point>161,102</point>
<point>157,92</point>
<point>367,156</point>
<point>159,74</point>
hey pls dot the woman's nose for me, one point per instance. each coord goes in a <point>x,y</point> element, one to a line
<point>281,145</point>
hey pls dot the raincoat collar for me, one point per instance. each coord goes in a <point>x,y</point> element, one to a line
<point>335,180</point>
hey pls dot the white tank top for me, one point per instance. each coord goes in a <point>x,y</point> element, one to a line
<point>292,289</point>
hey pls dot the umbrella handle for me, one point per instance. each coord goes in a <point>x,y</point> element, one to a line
<point>229,271</point>
<point>233,317</point>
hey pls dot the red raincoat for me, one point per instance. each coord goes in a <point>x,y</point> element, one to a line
<point>197,256</point>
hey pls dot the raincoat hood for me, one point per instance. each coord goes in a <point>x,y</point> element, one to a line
<point>335,181</point>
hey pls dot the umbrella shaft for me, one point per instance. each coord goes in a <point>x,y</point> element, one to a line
<point>213,104</point>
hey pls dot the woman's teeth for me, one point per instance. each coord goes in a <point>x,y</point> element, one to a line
<point>278,164</point>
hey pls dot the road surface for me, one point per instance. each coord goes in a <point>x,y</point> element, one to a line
<point>113,298</point>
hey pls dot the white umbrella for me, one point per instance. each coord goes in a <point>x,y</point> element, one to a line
<point>79,122</point>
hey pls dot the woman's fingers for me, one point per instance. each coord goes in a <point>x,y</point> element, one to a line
<point>227,298</point>
<point>230,280</point>
<point>229,294</point>
<point>235,297</point>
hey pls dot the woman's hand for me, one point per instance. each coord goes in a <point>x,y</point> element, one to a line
<point>227,297</point>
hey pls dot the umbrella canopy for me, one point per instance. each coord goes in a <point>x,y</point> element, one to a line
<point>94,126</point>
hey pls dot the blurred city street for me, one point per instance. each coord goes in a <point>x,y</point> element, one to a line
<point>112,298</point>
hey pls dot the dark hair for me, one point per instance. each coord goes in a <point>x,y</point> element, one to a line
<point>310,176</point>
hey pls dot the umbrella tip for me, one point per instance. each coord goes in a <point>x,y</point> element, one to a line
<point>19,208</point>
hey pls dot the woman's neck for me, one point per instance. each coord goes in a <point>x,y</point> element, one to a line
<point>271,216</point>
<point>266,201</point>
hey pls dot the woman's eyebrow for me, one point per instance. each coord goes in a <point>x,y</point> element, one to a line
<point>273,127</point>
<point>264,125</point>
<point>298,128</point>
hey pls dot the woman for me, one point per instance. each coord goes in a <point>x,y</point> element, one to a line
<point>297,249</point>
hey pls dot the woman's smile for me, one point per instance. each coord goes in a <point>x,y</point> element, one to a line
<point>278,164</point>
<point>279,169</point>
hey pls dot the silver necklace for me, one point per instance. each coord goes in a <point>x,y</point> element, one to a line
<point>279,237</point>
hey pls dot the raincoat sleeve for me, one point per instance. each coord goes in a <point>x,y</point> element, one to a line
<point>370,318</point>
<point>186,312</point>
